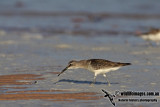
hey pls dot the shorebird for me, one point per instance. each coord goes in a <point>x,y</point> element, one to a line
<point>97,66</point>
<point>152,35</point>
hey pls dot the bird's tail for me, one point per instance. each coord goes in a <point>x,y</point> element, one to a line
<point>125,64</point>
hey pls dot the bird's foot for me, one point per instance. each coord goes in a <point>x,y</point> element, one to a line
<point>92,84</point>
<point>109,84</point>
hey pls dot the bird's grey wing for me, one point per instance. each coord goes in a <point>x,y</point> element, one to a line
<point>101,63</point>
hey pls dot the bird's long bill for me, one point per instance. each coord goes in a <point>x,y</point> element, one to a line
<point>63,70</point>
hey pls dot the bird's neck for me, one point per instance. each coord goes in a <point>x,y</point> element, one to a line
<point>83,64</point>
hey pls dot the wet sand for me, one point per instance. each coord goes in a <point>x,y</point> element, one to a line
<point>30,79</point>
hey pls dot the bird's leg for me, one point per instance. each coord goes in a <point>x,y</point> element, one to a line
<point>107,79</point>
<point>94,80</point>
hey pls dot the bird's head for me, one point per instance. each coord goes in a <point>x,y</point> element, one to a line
<point>71,65</point>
